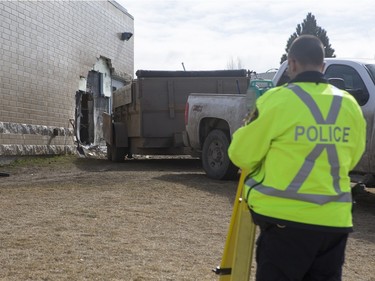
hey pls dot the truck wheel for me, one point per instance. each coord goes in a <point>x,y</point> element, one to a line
<point>116,154</point>
<point>215,159</point>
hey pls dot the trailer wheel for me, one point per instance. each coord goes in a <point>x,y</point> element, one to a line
<point>116,154</point>
<point>215,159</point>
<point>109,152</point>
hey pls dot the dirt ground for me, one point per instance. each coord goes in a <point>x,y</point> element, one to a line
<point>70,218</point>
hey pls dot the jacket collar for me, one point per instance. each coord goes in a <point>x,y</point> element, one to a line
<point>309,76</point>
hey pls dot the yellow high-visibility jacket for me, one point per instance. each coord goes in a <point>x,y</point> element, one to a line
<point>299,151</point>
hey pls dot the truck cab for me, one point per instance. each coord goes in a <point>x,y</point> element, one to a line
<point>357,77</point>
<point>211,120</point>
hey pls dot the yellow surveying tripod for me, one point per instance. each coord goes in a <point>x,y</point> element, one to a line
<point>239,245</point>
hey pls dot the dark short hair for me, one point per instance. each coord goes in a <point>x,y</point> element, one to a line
<point>307,50</point>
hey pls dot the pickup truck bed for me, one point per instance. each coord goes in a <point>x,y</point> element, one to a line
<point>218,117</point>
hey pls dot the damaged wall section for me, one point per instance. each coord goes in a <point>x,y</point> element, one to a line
<point>90,106</point>
<point>47,47</point>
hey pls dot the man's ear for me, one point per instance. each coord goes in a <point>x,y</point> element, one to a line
<point>293,64</point>
<point>292,67</point>
<point>323,66</point>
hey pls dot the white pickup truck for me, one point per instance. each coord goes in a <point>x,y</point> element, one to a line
<point>211,119</point>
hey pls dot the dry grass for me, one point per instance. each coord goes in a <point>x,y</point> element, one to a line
<point>85,219</point>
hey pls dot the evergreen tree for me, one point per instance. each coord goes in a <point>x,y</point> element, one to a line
<point>309,26</point>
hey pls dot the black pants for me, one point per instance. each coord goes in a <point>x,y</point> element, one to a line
<point>292,254</point>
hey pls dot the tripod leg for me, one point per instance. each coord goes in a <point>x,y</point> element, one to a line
<point>238,250</point>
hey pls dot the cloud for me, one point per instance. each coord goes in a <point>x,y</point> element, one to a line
<point>207,34</point>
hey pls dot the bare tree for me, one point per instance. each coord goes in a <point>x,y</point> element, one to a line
<point>234,64</point>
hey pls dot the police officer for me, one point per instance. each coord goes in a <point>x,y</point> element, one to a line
<point>304,139</point>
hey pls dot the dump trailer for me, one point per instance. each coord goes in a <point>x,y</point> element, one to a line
<point>147,115</point>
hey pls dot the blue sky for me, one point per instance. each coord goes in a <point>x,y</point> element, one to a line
<point>208,34</point>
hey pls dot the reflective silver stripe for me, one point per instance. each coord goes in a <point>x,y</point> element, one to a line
<point>343,197</point>
<point>315,111</point>
<point>334,110</point>
<point>306,168</point>
<point>291,191</point>
<point>333,159</point>
<point>310,103</point>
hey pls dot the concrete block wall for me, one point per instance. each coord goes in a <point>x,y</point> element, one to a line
<point>45,48</point>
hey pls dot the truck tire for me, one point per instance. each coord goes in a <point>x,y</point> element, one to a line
<point>116,154</point>
<point>215,159</point>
